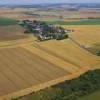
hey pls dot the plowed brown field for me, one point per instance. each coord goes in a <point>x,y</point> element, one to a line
<point>11,32</point>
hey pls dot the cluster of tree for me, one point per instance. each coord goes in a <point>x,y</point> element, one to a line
<point>44,30</point>
<point>69,90</point>
<point>54,32</point>
<point>26,26</point>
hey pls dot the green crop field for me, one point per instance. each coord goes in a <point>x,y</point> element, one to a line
<point>7,21</point>
<point>94,96</point>
<point>79,22</point>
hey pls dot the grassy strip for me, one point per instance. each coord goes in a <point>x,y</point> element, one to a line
<point>94,96</point>
<point>80,22</point>
<point>95,49</point>
<point>7,21</point>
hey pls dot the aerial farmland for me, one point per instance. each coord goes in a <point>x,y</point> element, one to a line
<point>28,65</point>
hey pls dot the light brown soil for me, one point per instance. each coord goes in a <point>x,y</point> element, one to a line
<point>12,32</point>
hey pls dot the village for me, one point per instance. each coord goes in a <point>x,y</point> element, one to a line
<point>44,31</point>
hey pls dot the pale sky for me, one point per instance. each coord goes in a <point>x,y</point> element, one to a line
<point>46,1</point>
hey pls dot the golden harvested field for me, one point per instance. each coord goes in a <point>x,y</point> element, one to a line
<point>86,35</point>
<point>68,51</point>
<point>21,69</point>
<point>36,65</point>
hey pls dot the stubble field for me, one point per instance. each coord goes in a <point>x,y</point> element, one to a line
<point>32,66</point>
<point>20,69</point>
<point>86,35</point>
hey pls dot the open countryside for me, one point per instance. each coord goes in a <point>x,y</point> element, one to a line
<point>28,65</point>
<point>57,58</point>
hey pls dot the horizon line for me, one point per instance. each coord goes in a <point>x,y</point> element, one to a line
<point>51,3</point>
